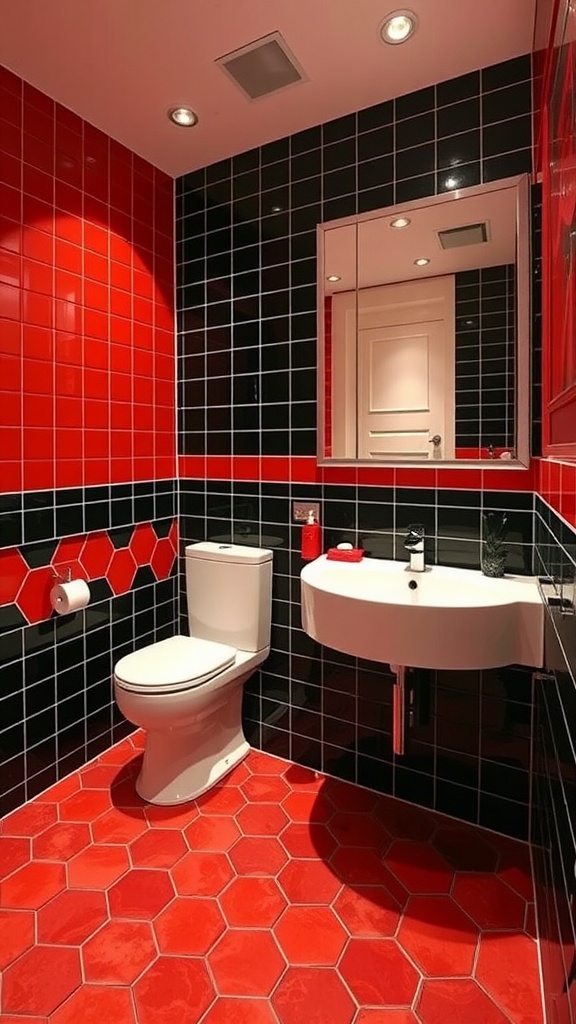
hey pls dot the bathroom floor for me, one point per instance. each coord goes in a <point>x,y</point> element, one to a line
<point>280,897</point>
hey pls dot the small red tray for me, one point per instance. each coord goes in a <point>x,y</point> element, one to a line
<point>345,554</point>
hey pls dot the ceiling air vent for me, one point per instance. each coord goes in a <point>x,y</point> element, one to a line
<point>468,234</point>
<point>262,67</point>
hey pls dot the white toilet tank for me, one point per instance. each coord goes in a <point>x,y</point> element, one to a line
<point>229,592</point>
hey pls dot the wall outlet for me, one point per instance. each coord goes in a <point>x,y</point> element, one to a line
<point>302,509</point>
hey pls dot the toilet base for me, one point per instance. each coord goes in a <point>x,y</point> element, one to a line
<point>181,764</point>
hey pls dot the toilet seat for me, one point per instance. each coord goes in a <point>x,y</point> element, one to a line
<point>178,663</point>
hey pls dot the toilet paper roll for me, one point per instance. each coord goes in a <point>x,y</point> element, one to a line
<point>66,598</point>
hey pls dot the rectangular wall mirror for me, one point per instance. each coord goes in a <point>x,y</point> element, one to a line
<point>424,331</point>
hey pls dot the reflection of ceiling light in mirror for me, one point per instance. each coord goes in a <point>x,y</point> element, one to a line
<point>184,117</point>
<point>334,277</point>
<point>451,183</point>
<point>400,222</point>
<point>398,26</point>
<point>422,262</point>
<point>276,209</point>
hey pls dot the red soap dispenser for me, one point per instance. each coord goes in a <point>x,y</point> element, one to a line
<point>311,538</point>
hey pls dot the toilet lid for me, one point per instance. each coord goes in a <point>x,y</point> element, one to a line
<point>169,664</point>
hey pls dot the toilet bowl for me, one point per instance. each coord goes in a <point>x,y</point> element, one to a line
<point>186,691</point>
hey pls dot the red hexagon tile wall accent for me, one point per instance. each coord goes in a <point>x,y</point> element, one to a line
<point>88,556</point>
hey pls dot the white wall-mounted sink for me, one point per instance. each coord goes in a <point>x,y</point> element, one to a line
<point>451,619</point>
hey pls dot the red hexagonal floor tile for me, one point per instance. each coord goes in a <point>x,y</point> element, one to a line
<point>404,821</point>
<point>96,554</point>
<point>40,980</point>
<point>305,881</point>
<point>16,934</point>
<point>358,866</point>
<point>13,572</point>
<point>228,1010</point>
<point>32,885</point>
<point>261,820</point>
<point>71,917</point>
<point>489,901</point>
<point>261,763</point>
<point>217,834</point>
<point>265,789</point>
<point>419,867</point>
<point>438,936</point>
<point>92,1004</point>
<point>29,820</point>
<point>252,902</point>
<point>516,991</point>
<point>61,841</point>
<point>189,926</point>
<point>202,874</point>
<point>299,777</point>
<point>85,805</point>
<point>385,1016</point>
<point>173,990</point>
<point>121,571</point>
<point>460,1001</point>
<point>246,963</point>
<point>221,800</point>
<point>319,987</point>
<point>119,952</point>
<point>258,856</point>
<point>34,595</point>
<point>158,848</point>
<point>162,559</point>
<point>344,796</point>
<point>310,936</point>
<point>377,972</point>
<point>142,543</point>
<point>97,867</point>
<point>303,839</point>
<point>14,852</point>
<point>60,790</point>
<point>117,826</point>
<point>141,894</point>
<point>369,912</point>
<point>171,816</point>
<point>465,850</point>
<point>99,776</point>
<point>305,807</point>
<point>351,829</point>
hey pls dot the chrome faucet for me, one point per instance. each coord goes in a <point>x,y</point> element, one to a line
<point>414,543</point>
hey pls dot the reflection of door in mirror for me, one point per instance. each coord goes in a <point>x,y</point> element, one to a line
<point>396,385</point>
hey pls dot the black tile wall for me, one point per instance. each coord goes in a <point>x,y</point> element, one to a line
<point>56,702</point>
<point>485,363</point>
<point>246,246</point>
<point>554,815</point>
<point>469,753</point>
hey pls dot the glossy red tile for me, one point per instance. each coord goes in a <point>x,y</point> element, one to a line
<point>368,912</point>
<point>40,980</point>
<point>306,881</point>
<point>32,885</point>
<point>119,826</point>
<point>517,992</point>
<point>172,989</point>
<point>358,866</point>
<point>158,848</point>
<point>258,856</point>
<point>252,902</point>
<point>85,805</point>
<point>227,1010</point>
<point>97,867</point>
<point>438,936</point>
<point>217,834</point>
<point>465,850</point>
<point>14,853</point>
<point>118,953</point>
<point>189,926</point>
<point>303,839</point>
<point>17,934</point>
<point>246,963</point>
<point>310,936</point>
<point>140,893</point>
<point>304,987</point>
<point>307,807</point>
<point>266,820</point>
<point>202,874</point>
<point>460,1001</point>
<point>378,972</point>
<point>92,1004</point>
<point>419,868</point>
<point>489,902</point>
<point>71,917</point>
<point>352,829</point>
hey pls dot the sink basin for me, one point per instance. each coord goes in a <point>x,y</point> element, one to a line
<point>452,619</point>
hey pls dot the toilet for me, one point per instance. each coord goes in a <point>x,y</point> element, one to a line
<point>186,692</point>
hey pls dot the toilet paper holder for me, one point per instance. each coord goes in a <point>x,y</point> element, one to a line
<point>65,577</point>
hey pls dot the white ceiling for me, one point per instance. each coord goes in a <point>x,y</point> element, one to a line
<point>122,63</point>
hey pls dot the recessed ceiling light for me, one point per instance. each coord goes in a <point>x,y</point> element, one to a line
<point>184,117</point>
<point>422,262</point>
<point>400,222</point>
<point>398,26</point>
<point>334,277</point>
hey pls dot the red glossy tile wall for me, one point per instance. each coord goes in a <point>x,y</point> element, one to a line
<point>86,302</point>
<point>557,485</point>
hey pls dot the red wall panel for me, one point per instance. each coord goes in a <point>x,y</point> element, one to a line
<point>86,302</point>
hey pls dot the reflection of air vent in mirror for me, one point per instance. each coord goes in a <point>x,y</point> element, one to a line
<point>262,67</point>
<point>468,234</point>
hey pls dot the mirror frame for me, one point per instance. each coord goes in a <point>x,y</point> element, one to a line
<point>521,183</point>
